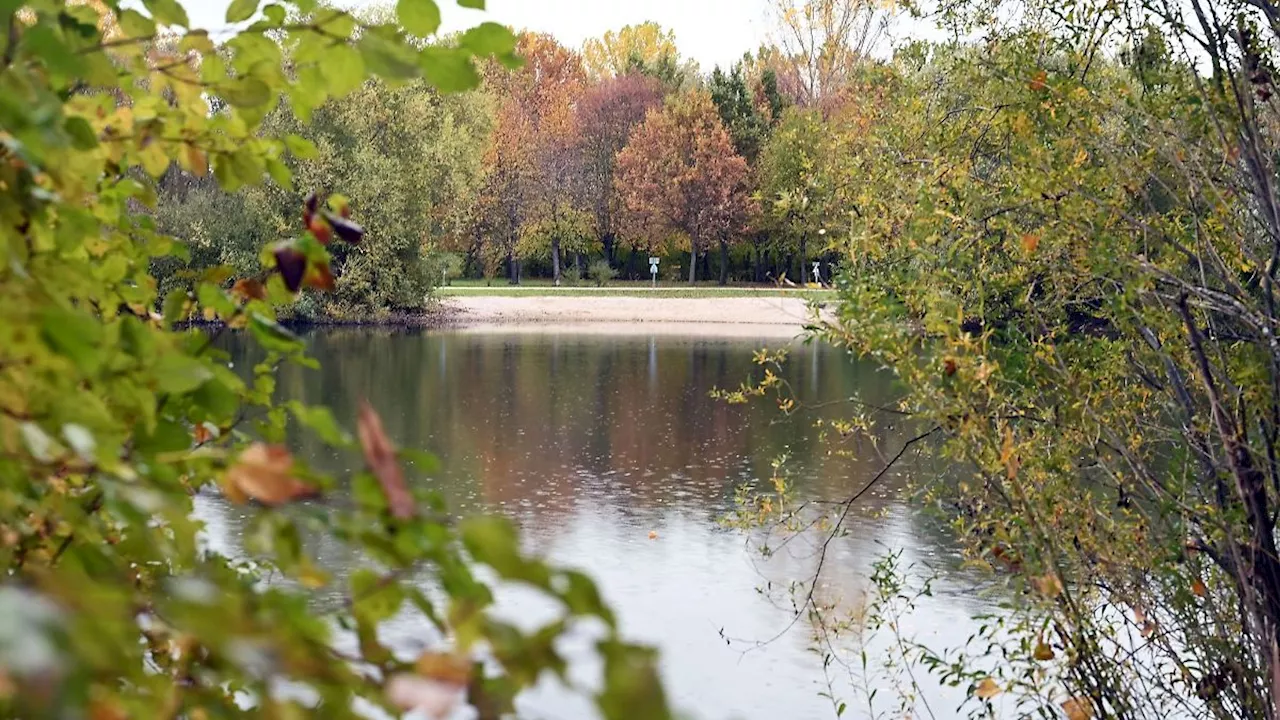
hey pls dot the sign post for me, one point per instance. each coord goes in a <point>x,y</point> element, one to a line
<point>653,270</point>
<point>817,274</point>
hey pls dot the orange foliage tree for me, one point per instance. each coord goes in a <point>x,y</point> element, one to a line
<point>532,167</point>
<point>679,179</point>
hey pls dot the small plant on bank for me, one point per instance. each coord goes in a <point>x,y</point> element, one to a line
<point>602,272</point>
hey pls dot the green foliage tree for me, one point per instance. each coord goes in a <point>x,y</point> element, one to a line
<point>112,415</point>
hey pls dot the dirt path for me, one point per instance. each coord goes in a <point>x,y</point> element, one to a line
<point>736,316</point>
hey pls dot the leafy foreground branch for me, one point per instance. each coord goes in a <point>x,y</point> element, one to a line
<point>113,417</point>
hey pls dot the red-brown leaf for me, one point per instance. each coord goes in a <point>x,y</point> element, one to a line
<point>265,473</point>
<point>380,455</point>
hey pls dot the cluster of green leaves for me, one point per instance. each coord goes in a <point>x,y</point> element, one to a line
<point>114,414</point>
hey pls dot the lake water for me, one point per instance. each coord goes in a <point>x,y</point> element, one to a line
<point>591,443</point>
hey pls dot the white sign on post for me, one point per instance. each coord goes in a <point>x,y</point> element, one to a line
<point>653,270</point>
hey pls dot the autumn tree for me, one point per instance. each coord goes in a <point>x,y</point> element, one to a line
<point>617,52</point>
<point>820,43</point>
<point>679,178</point>
<point>607,113</point>
<point>533,166</point>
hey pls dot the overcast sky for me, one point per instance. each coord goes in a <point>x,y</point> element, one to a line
<point>710,31</point>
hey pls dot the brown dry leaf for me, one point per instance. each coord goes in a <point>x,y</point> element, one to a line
<point>380,456</point>
<point>653,534</point>
<point>197,161</point>
<point>1039,81</point>
<point>1030,242</point>
<point>265,473</point>
<point>1048,585</point>
<point>1198,588</point>
<point>201,434</point>
<point>1078,708</point>
<point>249,289</point>
<point>1043,652</point>
<point>987,689</point>
<point>444,667</point>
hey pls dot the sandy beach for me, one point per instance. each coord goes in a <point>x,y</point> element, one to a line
<point>723,317</point>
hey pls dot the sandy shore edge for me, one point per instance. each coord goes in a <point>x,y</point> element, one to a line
<point>721,317</point>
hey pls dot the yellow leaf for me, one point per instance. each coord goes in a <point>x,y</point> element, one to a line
<point>1030,242</point>
<point>987,689</point>
<point>1043,651</point>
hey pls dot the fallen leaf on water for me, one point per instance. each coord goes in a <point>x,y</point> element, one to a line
<point>987,689</point>
<point>265,473</point>
<point>1078,709</point>
<point>380,456</point>
<point>653,534</point>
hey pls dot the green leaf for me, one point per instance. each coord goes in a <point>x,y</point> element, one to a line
<point>167,12</point>
<point>386,57</point>
<point>174,307</point>
<point>374,599</point>
<point>168,436</point>
<point>241,10</point>
<point>449,69</point>
<point>136,25</point>
<point>82,135</point>
<point>178,374</point>
<point>272,336</point>
<point>473,4</point>
<point>419,17</point>
<point>73,334</point>
<point>246,92</point>
<point>319,419</point>
<point>302,148</point>
<point>343,69</point>
<point>275,14</point>
<point>218,401</point>
<point>489,38</point>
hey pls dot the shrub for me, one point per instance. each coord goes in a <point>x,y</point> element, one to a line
<point>602,272</point>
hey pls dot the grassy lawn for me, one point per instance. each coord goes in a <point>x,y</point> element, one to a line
<point>500,288</point>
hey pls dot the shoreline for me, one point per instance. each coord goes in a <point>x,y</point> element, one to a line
<point>725,317</point>
<point>622,315</point>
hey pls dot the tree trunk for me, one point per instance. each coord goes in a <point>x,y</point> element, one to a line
<point>693,266</point>
<point>577,262</point>
<point>555,260</point>
<point>609,247</point>
<point>804,239</point>
<point>724,261</point>
<point>513,272</point>
<point>706,263</point>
